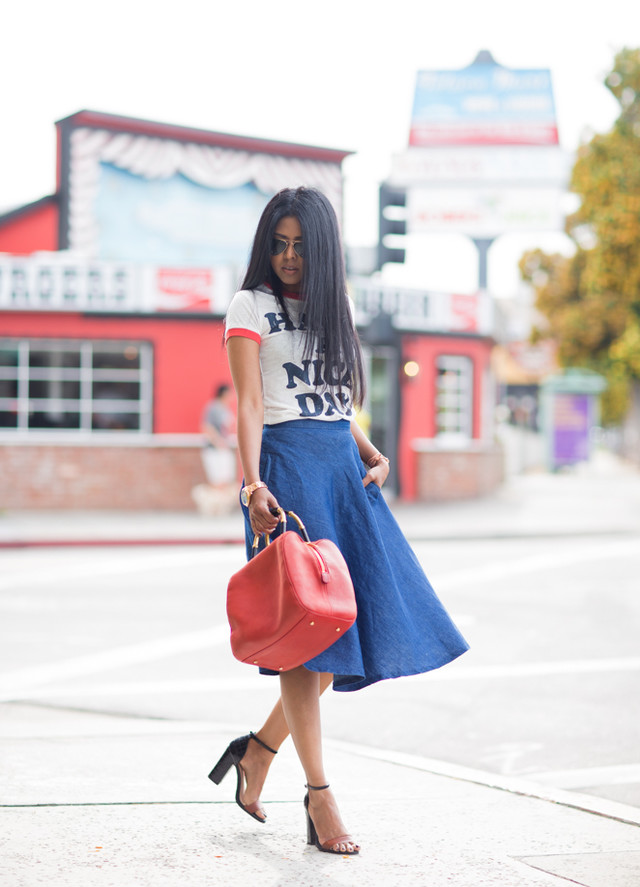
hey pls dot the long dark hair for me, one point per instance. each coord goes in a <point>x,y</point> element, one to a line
<point>328,319</point>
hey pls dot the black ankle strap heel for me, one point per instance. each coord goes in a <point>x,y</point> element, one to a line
<point>312,834</point>
<point>231,757</point>
<point>263,744</point>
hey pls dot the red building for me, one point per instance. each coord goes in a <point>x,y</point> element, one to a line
<point>112,297</point>
<point>431,388</point>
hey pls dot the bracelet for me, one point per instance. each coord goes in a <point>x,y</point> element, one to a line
<point>376,459</point>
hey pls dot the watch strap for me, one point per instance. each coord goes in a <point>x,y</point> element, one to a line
<point>251,488</point>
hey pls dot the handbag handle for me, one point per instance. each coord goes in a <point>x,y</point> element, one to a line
<point>324,569</point>
<point>303,529</point>
<point>283,521</point>
<point>256,538</point>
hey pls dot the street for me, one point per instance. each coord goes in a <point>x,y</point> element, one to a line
<point>549,690</point>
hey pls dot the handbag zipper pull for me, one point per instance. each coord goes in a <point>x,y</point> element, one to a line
<point>324,569</point>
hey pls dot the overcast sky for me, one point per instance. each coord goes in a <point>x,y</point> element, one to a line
<point>339,73</point>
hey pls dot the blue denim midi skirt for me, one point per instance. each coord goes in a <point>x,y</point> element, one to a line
<point>314,469</point>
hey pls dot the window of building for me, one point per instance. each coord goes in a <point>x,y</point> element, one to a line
<point>454,399</point>
<point>56,385</point>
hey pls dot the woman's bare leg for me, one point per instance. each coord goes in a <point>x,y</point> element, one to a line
<point>257,760</point>
<point>300,695</point>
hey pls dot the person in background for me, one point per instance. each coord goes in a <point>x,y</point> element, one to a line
<point>218,453</point>
<point>217,426</point>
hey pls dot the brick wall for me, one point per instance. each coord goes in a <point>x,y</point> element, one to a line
<point>88,477</point>
<point>449,474</point>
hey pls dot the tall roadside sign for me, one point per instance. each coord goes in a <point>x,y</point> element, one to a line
<point>484,104</point>
<point>483,157</point>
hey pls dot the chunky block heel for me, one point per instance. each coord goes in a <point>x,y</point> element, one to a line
<point>312,835</point>
<point>221,768</point>
<point>232,756</point>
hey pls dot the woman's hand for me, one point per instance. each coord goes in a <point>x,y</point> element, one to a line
<point>260,504</point>
<point>380,471</point>
<point>378,474</point>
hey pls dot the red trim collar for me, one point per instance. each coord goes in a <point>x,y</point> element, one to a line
<point>297,296</point>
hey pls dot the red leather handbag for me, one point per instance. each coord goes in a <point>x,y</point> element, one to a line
<point>289,602</point>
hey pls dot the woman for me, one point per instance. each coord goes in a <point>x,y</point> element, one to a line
<point>298,372</point>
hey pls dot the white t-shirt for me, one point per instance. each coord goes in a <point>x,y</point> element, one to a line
<point>293,387</point>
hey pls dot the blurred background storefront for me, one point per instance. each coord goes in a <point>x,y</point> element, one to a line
<point>432,392</point>
<point>113,292</point>
<point>112,297</point>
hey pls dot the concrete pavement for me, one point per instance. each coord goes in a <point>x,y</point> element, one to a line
<point>92,799</point>
<point>99,799</point>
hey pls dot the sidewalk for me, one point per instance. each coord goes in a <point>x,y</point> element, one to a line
<point>600,498</point>
<point>90,799</point>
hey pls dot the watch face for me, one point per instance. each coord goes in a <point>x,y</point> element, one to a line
<point>244,498</point>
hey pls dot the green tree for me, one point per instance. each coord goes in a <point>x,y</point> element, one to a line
<point>591,300</point>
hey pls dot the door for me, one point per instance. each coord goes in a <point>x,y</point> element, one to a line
<point>383,406</point>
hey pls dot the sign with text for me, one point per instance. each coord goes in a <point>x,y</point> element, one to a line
<point>184,289</point>
<point>59,282</point>
<point>464,166</point>
<point>483,212</point>
<point>483,104</point>
<point>422,310</point>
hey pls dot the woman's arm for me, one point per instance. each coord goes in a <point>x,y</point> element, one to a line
<point>379,473</point>
<point>244,363</point>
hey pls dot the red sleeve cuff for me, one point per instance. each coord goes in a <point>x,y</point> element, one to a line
<point>245,334</point>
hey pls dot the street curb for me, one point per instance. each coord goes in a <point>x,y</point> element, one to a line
<point>88,543</point>
<point>521,787</point>
<point>514,785</point>
<point>237,540</point>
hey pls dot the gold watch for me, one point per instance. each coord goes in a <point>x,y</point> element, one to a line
<point>246,492</point>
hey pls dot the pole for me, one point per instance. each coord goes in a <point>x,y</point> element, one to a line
<point>482,245</point>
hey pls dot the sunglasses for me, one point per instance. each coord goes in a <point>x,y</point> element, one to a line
<point>278,246</point>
